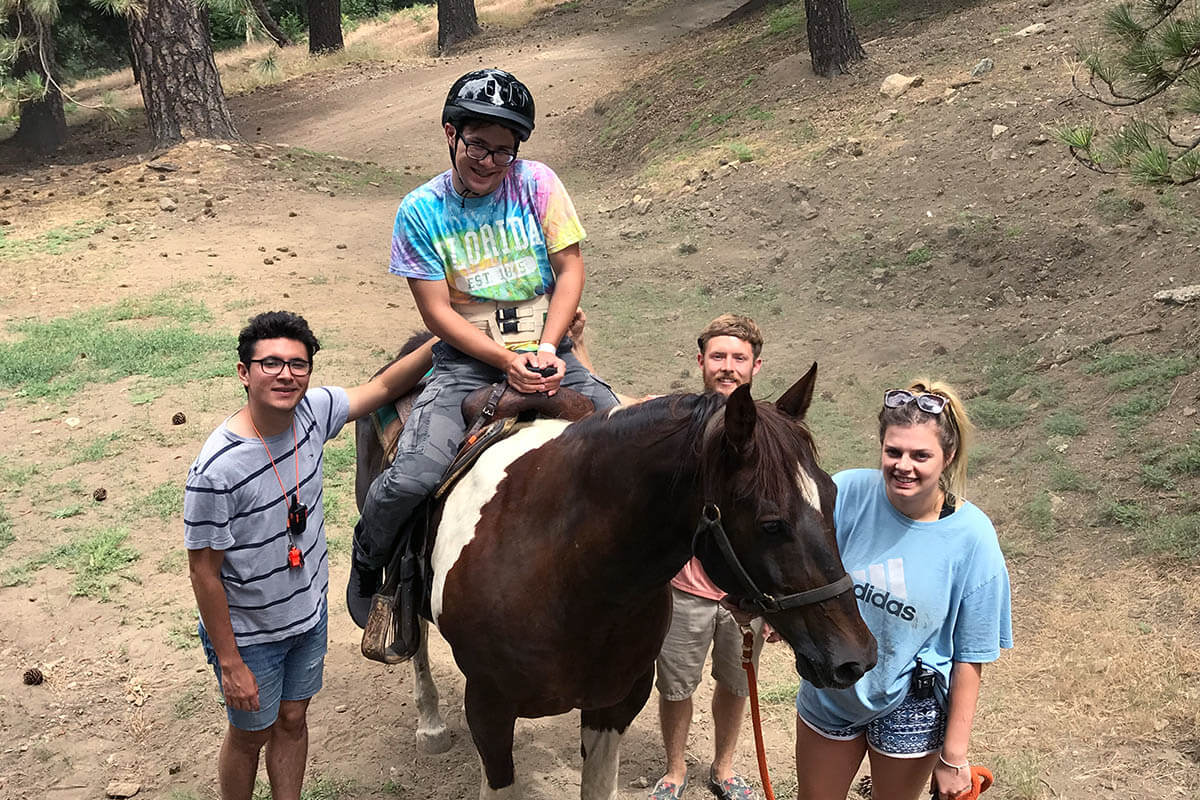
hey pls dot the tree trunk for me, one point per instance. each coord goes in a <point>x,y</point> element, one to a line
<point>269,24</point>
<point>43,126</point>
<point>324,26</point>
<point>180,85</point>
<point>457,22</point>
<point>832,42</point>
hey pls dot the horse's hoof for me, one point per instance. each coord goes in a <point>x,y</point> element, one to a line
<point>434,741</point>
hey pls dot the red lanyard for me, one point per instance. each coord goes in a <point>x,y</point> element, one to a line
<point>294,556</point>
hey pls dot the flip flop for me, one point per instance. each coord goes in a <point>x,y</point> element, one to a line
<point>666,790</point>
<point>732,788</point>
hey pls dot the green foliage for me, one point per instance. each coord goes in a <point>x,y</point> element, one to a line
<point>163,501</point>
<point>1040,513</point>
<point>919,256</point>
<point>742,152</point>
<point>55,241</point>
<point>57,357</point>
<point>1151,55</point>
<point>1175,535</point>
<point>785,18</point>
<point>97,562</point>
<point>98,449</point>
<point>1066,422</point>
<point>989,413</point>
<point>1065,478</point>
<point>6,530</point>
<point>1126,513</point>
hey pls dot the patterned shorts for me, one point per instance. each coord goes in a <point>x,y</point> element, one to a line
<point>916,728</point>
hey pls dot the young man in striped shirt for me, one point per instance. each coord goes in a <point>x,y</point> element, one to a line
<point>254,529</point>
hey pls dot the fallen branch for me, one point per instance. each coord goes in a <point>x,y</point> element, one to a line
<point>1103,340</point>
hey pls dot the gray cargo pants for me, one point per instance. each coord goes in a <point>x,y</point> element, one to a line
<point>431,438</point>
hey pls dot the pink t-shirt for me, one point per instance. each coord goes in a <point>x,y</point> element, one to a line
<point>694,580</point>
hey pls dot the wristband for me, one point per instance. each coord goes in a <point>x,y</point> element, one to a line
<point>955,767</point>
<point>548,347</point>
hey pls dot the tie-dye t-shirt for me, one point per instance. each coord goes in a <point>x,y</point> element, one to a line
<point>487,248</point>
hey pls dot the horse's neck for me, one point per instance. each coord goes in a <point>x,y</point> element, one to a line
<point>647,488</point>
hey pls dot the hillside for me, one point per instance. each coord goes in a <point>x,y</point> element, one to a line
<point>940,232</point>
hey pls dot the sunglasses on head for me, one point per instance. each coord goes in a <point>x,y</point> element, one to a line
<point>926,401</point>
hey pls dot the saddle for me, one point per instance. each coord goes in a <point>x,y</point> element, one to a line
<point>393,630</point>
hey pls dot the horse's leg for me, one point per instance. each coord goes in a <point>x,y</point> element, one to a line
<point>491,720</point>
<point>432,736</point>
<point>600,734</point>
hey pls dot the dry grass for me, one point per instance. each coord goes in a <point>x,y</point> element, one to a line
<point>1103,673</point>
<point>406,37</point>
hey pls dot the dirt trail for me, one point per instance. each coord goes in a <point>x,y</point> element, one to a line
<point>391,116</point>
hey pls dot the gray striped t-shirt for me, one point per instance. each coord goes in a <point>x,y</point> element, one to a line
<point>233,502</point>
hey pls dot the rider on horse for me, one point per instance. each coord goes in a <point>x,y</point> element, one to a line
<point>491,251</point>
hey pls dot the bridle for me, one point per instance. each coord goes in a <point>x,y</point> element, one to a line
<point>752,599</point>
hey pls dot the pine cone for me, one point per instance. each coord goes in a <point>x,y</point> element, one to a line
<point>100,495</point>
<point>33,677</point>
<point>178,419</point>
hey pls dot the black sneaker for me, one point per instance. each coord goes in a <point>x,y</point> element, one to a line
<point>363,584</point>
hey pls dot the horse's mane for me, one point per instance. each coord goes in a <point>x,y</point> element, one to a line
<point>652,421</point>
<point>416,340</point>
<point>779,441</point>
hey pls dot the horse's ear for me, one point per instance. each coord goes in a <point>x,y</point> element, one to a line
<point>740,416</point>
<point>796,399</point>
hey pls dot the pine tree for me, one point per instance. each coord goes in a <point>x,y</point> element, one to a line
<point>1151,55</point>
<point>28,50</point>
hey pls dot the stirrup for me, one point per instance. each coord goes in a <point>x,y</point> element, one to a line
<point>380,642</point>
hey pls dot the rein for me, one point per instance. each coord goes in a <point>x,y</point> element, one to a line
<point>752,682</point>
<point>756,601</point>
<point>752,599</point>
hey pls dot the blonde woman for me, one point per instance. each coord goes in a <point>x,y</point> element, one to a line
<point>933,587</point>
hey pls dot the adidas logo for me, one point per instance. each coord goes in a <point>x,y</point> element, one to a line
<point>890,599</point>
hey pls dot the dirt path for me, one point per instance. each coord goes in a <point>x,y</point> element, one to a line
<point>391,117</point>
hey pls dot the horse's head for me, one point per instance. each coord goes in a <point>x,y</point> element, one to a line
<point>766,496</point>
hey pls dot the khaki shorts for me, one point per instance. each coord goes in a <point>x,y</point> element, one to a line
<point>697,623</point>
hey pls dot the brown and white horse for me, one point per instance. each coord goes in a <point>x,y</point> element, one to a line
<point>552,557</point>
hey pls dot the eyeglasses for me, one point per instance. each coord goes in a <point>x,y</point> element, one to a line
<point>926,401</point>
<point>477,152</point>
<point>273,366</point>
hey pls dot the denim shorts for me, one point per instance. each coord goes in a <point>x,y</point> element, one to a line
<point>914,729</point>
<point>290,669</point>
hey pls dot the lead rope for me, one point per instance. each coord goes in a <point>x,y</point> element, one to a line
<point>756,719</point>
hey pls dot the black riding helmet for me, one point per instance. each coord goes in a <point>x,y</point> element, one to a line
<point>493,95</point>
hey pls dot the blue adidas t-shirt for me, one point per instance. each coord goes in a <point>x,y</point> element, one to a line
<point>938,590</point>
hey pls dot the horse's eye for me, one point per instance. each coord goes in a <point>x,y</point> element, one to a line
<point>773,527</point>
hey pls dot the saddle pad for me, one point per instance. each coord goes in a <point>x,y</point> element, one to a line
<point>471,450</point>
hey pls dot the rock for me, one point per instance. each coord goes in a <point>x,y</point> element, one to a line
<point>885,116</point>
<point>915,246</point>
<point>71,422</point>
<point>340,709</point>
<point>806,210</point>
<point>124,788</point>
<point>268,260</point>
<point>1179,296</point>
<point>1037,27</point>
<point>984,66</point>
<point>174,768</point>
<point>1189,411</point>
<point>224,147</point>
<point>100,495</point>
<point>641,205</point>
<point>167,203</point>
<point>686,247</point>
<point>341,246</point>
<point>639,782</point>
<point>897,84</point>
<point>998,131</point>
<point>854,147</point>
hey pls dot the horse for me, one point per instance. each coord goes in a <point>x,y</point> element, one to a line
<point>551,561</point>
